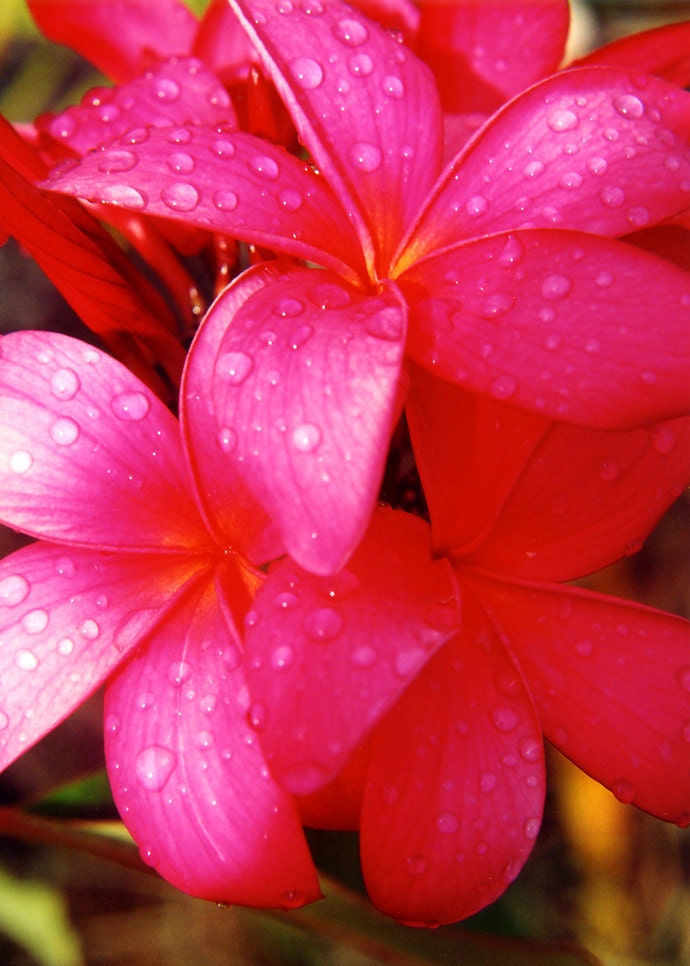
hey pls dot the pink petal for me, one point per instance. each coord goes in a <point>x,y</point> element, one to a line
<point>483,53</point>
<point>663,51</point>
<point>67,617</point>
<point>455,792</point>
<point>470,451</point>
<point>611,682</point>
<point>222,44</point>
<point>231,511</point>
<point>120,37</point>
<point>595,149</point>
<point>327,656</point>
<point>569,325</point>
<point>600,494</point>
<point>179,91</point>
<point>88,455</point>
<point>230,182</point>
<point>306,388</point>
<point>187,771</point>
<point>364,106</point>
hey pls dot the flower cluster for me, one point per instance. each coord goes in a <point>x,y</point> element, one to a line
<point>478,251</point>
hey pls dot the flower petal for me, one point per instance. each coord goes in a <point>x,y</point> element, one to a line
<point>326,656</point>
<point>456,782</point>
<point>181,91</point>
<point>470,451</point>
<point>600,494</point>
<point>580,328</point>
<point>231,183</point>
<point>595,149</point>
<point>66,620</point>
<point>662,51</point>
<point>483,53</point>
<point>88,455</point>
<point>365,108</point>
<point>611,682</point>
<point>187,772</point>
<point>120,37</point>
<point>306,389</point>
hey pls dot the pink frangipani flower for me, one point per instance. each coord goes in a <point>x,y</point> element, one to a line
<point>449,722</point>
<point>140,578</point>
<point>503,274</point>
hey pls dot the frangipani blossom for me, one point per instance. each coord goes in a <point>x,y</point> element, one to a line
<point>140,578</point>
<point>501,275</point>
<point>448,723</point>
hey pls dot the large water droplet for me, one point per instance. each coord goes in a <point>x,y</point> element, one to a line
<point>13,590</point>
<point>181,163</point>
<point>323,625</point>
<point>364,656</point>
<point>290,199</point>
<point>130,405</point>
<point>504,387</point>
<point>365,156</point>
<point>350,32</point>
<point>533,169</point>
<point>35,621</point>
<point>90,629</point>
<point>282,657</point>
<point>504,719</point>
<point>180,196</point>
<point>623,791</point>
<point>227,439</point>
<point>477,205</point>
<point>165,88</point>
<point>123,195</point>
<point>264,167</point>
<point>361,65</point>
<point>154,766</point>
<point>306,438</point>
<point>563,120</point>
<point>628,106</point>
<point>21,461</point>
<point>306,72</point>
<point>26,660</point>
<point>612,196</point>
<point>393,87</point>
<point>65,646</point>
<point>531,749</point>
<point>555,287</point>
<point>497,304</point>
<point>234,367</point>
<point>65,384</point>
<point>64,431</point>
<point>178,673</point>
<point>447,823</point>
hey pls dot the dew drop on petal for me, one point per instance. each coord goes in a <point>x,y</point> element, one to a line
<point>555,287</point>
<point>225,200</point>
<point>264,167</point>
<point>285,600</point>
<point>64,431</point>
<point>14,589</point>
<point>90,629</point>
<point>496,305</point>
<point>504,387</point>
<point>123,195</point>
<point>663,439</point>
<point>623,791</point>
<point>612,196</point>
<point>35,621</point>
<point>306,438</point>
<point>393,87</point>
<point>638,216</point>
<point>306,72</point>
<point>178,673</point>
<point>234,367</point>
<point>364,656</point>
<point>504,719</point>
<point>26,660</point>
<point>282,657</point>
<point>487,781</point>
<point>180,196</point>
<point>21,461</point>
<point>531,749</point>
<point>533,169</point>
<point>227,439</point>
<point>477,205</point>
<point>65,646</point>
<point>288,308</point>
<point>563,120</point>
<point>131,406</point>
<point>65,384</point>
<point>290,199</point>
<point>628,105</point>
<point>365,156</point>
<point>323,624</point>
<point>154,766</point>
<point>447,823</point>
<point>4,721</point>
<point>350,32</point>
<point>223,149</point>
<point>165,88</point>
<point>181,163</point>
<point>361,65</point>
<point>416,864</point>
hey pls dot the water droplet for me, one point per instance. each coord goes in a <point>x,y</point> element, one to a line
<point>512,252</point>
<point>288,308</point>
<point>361,65</point>
<point>629,106</point>
<point>14,589</point>
<point>597,166</point>
<point>571,180</point>
<point>531,749</point>
<point>264,167</point>
<point>350,32</point>
<point>563,120</point>
<point>292,899</point>
<point>131,406</point>
<point>204,740</point>
<point>416,864</point>
<point>225,200</point>
<point>408,660</point>
<point>497,304</point>
<point>21,461</point>
<point>65,646</point>
<point>65,384</point>
<point>286,600</point>
<point>178,673</point>
<point>487,781</point>
<point>592,346</point>
<point>35,621</point>
<point>306,72</point>
<point>90,630</point>
<point>64,431</point>
<point>154,766</point>
<point>123,195</point>
<point>165,88</point>
<point>26,660</point>
<point>227,439</point>
<point>323,624</point>
<point>306,438</point>
<point>180,196</point>
<point>555,287</point>
<point>366,156</point>
<point>476,206</point>
<point>223,149</point>
<point>387,324</point>
<point>663,439</point>
<point>181,163</point>
<point>532,826</point>
<point>583,648</point>
<point>533,169</point>
<point>638,216</point>
<point>504,719</point>
<point>612,196</point>
<point>234,367</point>
<point>623,791</point>
<point>364,656</point>
<point>393,87</point>
<point>447,823</point>
<point>179,135</point>
<point>504,387</point>
<point>290,199</point>
<point>604,279</point>
<point>282,657</point>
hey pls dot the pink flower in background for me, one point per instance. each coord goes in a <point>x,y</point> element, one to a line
<point>502,274</point>
<point>140,578</point>
<point>425,702</point>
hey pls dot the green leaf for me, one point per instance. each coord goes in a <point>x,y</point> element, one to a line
<point>35,917</point>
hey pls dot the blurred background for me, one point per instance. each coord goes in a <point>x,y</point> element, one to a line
<point>602,876</point>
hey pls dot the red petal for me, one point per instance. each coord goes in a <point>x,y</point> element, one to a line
<point>456,783</point>
<point>187,772</point>
<point>611,682</point>
<point>67,617</point>
<point>120,37</point>
<point>306,390</point>
<point>364,106</point>
<point>663,51</point>
<point>566,324</point>
<point>88,455</point>
<point>594,149</point>
<point>326,656</point>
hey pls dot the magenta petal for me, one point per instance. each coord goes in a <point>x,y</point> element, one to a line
<point>306,389</point>
<point>178,91</point>
<point>600,494</point>
<point>664,51</point>
<point>455,791</point>
<point>611,682</point>
<point>120,37</point>
<point>365,107</point>
<point>228,182</point>
<point>67,617</point>
<point>88,455</point>
<point>187,772</point>
<point>595,149</point>
<point>327,656</point>
<point>569,325</point>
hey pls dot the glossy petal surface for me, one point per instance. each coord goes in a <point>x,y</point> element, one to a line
<point>306,387</point>
<point>456,783</point>
<point>326,656</point>
<point>611,682</point>
<point>662,51</point>
<point>88,455</point>
<point>67,617</point>
<point>187,772</point>
<point>565,324</point>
